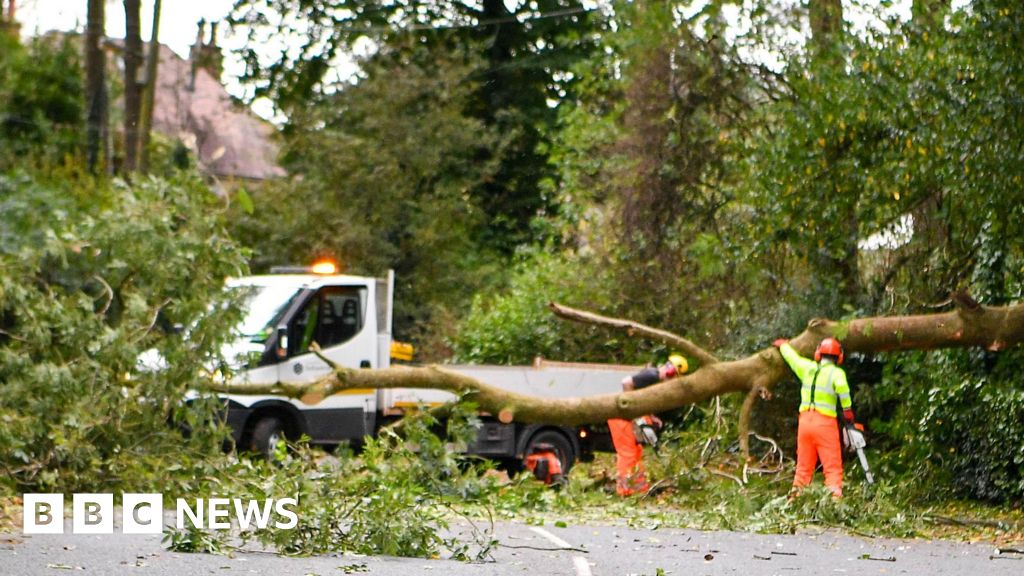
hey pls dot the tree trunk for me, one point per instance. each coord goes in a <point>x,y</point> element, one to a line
<point>149,94</point>
<point>970,325</point>
<point>826,18</point>
<point>95,87</point>
<point>132,88</point>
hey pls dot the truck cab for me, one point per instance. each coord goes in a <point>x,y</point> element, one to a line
<point>349,317</point>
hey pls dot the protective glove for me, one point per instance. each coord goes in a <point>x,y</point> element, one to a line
<point>779,342</point>
<point>848,416</point>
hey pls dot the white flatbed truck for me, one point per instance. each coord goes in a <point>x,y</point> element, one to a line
<point>350,318</point>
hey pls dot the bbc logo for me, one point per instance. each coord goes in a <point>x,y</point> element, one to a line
<point>93,513</point>
<point>143,513</point>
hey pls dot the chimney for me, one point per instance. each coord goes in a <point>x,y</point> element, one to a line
<point>193,54</point>
<point>214,60</point>
<point>205,55</point>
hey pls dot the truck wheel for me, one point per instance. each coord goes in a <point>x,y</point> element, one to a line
<point>266,434</point>
<point>559,443</point>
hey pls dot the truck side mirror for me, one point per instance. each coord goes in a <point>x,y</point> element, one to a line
<point>282,341</point>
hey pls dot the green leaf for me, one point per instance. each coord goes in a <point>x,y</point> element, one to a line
<point>244,200</point>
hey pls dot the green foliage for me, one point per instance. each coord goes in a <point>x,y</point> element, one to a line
<point>81,297</point>
<point>958,413</point>
<point>194,540</point>
<point>522,52</point>
<point>386,165</point>
<point>645,156</point>
<point>41,101</point>
<point>514,326</point>
<point>395,498</point>
<point>909,124</point>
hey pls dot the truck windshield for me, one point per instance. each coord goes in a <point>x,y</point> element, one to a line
<point>264,306</point>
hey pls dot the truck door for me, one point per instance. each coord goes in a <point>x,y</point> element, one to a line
<point>337,319</point>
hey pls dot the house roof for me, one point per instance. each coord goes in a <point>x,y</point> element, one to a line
<point>228,139</point>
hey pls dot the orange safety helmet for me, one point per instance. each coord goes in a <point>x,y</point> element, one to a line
<point>829,347</point>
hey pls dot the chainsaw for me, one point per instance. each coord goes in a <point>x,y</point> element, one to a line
<point>854,440</point>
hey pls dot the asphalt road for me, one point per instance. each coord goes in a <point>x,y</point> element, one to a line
<point>548,551</point>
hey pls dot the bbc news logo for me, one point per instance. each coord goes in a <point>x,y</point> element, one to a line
<point>143,513</point>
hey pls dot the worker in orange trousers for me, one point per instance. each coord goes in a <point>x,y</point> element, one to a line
<point>823,387</point>
<point>628,436</point>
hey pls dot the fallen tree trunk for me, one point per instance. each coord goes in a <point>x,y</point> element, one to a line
<point>969,325</point>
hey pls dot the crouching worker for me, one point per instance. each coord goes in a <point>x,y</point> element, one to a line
<point>823,383</point>
<point>628,436</point>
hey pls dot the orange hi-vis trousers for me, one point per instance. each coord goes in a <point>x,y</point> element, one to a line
<point>629,454</point>
<point>817,438</point>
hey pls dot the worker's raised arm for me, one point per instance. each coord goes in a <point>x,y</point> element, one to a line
<point>803,367</point>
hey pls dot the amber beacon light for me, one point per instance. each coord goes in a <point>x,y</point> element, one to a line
<point>324,267</point>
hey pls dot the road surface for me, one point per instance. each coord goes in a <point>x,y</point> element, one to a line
<point>594,550</point>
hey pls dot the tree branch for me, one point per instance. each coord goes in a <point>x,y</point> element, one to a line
<point>632,328</point>
<point>744,420</point>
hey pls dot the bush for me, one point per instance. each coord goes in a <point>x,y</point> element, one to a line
<point>515,326</point>
<point>954,419</point>
<point>91,275</point>
<point>395,498</point>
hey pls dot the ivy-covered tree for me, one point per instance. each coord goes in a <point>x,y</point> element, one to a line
<point>645,154</point>
<point>133,61</point>
<point>97,139</point>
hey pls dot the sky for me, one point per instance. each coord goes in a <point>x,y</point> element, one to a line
<point>178,29</point>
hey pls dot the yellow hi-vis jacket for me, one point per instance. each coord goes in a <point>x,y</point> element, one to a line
<point>825,387</point>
